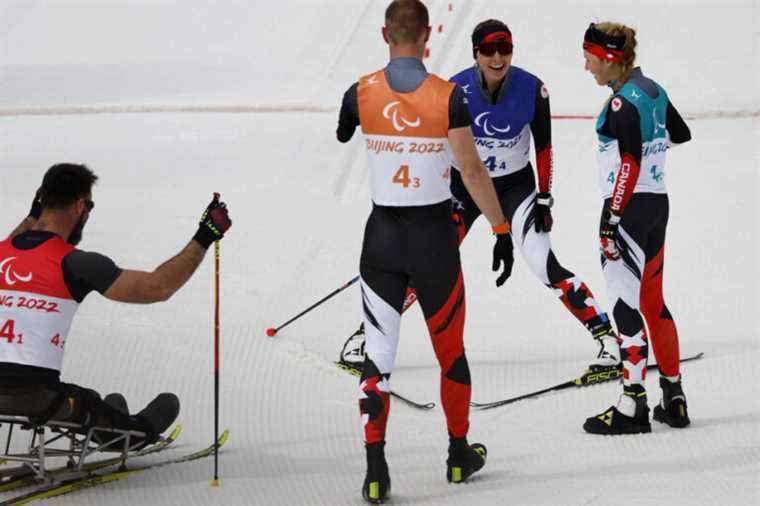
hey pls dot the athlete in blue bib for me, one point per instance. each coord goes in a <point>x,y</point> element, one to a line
<point>636,127</point>
<point>509,106</point>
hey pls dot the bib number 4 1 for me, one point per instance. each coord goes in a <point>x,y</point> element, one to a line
<point>8,331</point>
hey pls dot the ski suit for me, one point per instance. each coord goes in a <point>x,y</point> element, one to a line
<point>636,127</point>
<point>405,115</point>
<point>503,125</point>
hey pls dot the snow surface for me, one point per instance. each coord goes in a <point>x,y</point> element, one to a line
<point>299,201</point>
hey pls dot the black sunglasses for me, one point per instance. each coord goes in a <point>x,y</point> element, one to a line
<point>89,204</point>
<point>504,48</point>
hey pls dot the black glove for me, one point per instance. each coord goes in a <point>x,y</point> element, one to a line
<point>609,237</point>
<point>544,220</point>
<point>502,252</point>
<point>36,209</point>
<point>215,221</point>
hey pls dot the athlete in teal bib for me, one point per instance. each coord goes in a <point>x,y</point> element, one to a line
<point>636,127</point>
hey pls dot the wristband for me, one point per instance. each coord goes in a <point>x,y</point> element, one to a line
<point>501,229</point>
<point>545,199</point>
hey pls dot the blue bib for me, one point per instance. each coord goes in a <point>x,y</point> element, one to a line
<point>502,130</point>
<point>506,119</point>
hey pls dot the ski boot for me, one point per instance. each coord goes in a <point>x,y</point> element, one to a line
<point>352,354</point>
<point>672,409</point>
<point>158,415</point>
<point>607,364</point>
<point>630,416</point>
<point>377,482</point>
<point>464,459</point>
<point>118,402</point>
<point>102,438</point>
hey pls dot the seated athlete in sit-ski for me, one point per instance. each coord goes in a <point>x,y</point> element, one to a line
<point>44,279</point>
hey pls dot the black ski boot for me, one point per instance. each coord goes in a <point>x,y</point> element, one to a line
<point>613,422</point>
<point>464,459</point>
<point>118,402</point>
<point>672,409</point>
<point>377,482</point>
<point>159,414</point>
<point>103,438</point>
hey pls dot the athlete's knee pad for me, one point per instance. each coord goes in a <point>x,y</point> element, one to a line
<point>554,271</point>
<point>665,313</point>
<point>459,371</point>
<point>374,390</point>
<point>628,319</point>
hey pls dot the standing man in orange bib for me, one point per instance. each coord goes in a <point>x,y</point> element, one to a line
<point>411,121</point>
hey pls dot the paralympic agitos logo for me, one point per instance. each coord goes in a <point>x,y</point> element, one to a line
<point>11,276</point>
<point>391,112</point>
<point>490,130</point>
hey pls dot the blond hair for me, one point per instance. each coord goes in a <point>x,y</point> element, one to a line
<point>629,49</point>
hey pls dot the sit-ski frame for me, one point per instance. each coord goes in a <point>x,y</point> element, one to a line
<point>80,445</point>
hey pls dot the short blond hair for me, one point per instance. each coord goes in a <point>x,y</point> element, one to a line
<point>629,49</point>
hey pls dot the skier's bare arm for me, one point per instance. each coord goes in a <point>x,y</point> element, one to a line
<point>475,175</point>
<point>146,287</point>
<point>142,287</point>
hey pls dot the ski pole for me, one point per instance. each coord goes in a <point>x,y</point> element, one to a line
<point>215,481</point>
<point>273,330</point>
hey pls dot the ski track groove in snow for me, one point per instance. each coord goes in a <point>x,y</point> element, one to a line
<point>293,416</point>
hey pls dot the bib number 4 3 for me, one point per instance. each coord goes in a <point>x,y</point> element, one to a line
<point>402,177</point>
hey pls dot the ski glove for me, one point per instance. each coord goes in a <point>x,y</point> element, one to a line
<point>544,220</point>
<point>502,252</point>
<point>609,236</point>
<point>215,221</point>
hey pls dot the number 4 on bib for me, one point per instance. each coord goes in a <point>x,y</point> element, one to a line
<point>402,177</point>
<point>7,331</point>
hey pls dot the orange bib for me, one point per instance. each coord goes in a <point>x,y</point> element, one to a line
<point>406,137</point>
